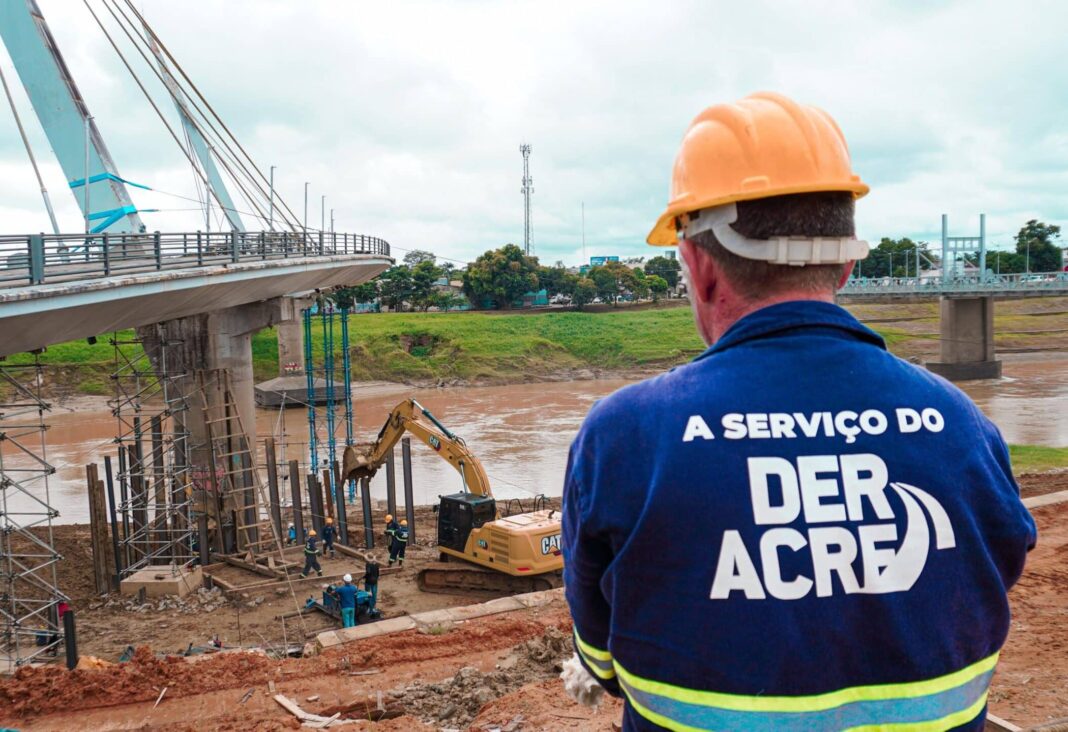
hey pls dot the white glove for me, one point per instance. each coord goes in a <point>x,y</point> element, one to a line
<point>580,684</point>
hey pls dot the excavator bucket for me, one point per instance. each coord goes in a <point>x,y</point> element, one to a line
<point>355,464</point>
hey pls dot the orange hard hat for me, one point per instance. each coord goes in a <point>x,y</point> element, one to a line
<point>404,522</point>
<point>389,517</point>
<point>312,533</point>
<point>329,520</point>
<point>761,146</point>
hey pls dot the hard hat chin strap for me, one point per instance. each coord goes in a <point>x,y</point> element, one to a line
<point>796,251</point>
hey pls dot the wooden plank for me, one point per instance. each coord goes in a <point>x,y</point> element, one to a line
<point>251,566</point>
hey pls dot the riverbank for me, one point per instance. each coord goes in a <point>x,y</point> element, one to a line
<point>482,348</point>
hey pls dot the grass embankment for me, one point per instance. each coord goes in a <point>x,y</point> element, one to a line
<point>1037,458</point>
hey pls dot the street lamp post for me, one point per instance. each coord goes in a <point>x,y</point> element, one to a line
<point>1027,261</point>
<point>322,222</point>
<point>305,213</point>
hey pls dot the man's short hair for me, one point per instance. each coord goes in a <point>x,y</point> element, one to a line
<point>802,214</point>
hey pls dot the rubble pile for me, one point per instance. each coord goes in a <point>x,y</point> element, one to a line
<point>456,701</point>
<point>201,601</point>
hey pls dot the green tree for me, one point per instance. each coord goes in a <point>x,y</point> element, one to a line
<point>1035,242</point>
<point>395,286</point>
<point>346,297</point>
<point>424,275</point>
<point>447,300</point>
<point>658,286</point>
<point>896,253</point>
<point>501,276</point>
<point>1000,262</point>
<point>554,280</point>
<point>583,291</point>
<point>665,268</point>
<point>417,256</point>
<point>615,278</point>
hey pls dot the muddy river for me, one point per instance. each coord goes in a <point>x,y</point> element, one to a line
<point>521,432</point>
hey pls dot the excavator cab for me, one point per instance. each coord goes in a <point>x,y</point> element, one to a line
<point>458,514</point>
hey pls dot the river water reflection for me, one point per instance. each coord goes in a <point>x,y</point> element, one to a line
<point>522,432</point>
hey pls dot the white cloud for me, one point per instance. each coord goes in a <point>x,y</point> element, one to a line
<point>408,116</point>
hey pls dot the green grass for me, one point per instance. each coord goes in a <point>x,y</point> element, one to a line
<point>1036,458</point>
<point>471,347</point>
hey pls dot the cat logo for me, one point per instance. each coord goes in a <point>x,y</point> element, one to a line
<point>550,544</point>
<point>483,544</point>
<point>434,442</point>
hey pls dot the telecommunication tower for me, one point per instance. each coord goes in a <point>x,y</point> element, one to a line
<point>527,190</point>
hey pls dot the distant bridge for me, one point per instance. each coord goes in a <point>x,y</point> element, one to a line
<point>1008,286</point>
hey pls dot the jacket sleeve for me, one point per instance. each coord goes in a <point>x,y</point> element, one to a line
<point>586,558</point>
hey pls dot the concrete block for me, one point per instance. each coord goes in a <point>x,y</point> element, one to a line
<point>966,371</point>
<point>544,597</point>
<point>433,617</point>
<point>159,581</point>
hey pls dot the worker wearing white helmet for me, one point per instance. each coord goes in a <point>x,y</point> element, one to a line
<point>346,596</point>
<point>843,525</point>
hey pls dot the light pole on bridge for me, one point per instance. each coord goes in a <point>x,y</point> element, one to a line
<point>305,210</point>
<point>322,223</point>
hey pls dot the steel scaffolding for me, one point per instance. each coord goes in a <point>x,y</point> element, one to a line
<point>154,499</point>
<point>29,592</point>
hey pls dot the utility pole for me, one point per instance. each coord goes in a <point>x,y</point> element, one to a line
<point>305,212</point>
<point>322,222</point>
<point>270,219</point>
<point>331,221</point>
<point>527,190</point>
<point>584,260</point>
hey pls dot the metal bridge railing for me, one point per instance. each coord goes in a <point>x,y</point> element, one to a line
<point>49,258</point>
<point>934,285</point>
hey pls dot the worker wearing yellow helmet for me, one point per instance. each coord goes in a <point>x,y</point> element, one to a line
<point>311,555</point>
<point>329,534</point>
<point>400,543</point>
<point>843,525</point>
<point>391,531</point>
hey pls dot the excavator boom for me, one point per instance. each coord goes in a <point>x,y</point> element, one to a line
<point>516,553</point>
<point>412,417</point>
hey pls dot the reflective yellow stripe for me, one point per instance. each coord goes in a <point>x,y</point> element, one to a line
<point>807,703</point>
<point>588,650</point>
<point>598,661</point>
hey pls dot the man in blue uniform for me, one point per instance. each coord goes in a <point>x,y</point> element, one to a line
<point>311,555</point>
<point>346,597</point>
<point>329,534</point>
<point>399,543</point>
<point>391,531</point>
<point>850,521</point>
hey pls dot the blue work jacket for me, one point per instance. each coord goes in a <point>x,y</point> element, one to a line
<point>796,531</point>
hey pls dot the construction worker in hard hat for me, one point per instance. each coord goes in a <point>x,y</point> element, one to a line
<point>329,534</point>
<point>850,522</point>
<point>346,600</point>
<point>400,543</point>
<point>291,535</point>
<point>311,555</point>
<point>391,531</point>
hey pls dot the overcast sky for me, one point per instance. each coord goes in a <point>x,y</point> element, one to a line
<point>408,116</point>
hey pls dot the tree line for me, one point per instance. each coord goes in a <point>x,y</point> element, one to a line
<point>1036,251</point>
<point>500,278</point>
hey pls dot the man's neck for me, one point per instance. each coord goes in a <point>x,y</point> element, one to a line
<point>730,310</point>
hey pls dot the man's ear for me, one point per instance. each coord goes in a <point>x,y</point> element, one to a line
<point>846,271</point>
<point>702,269</point>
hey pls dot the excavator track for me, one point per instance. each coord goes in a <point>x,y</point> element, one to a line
<point>461,578</point>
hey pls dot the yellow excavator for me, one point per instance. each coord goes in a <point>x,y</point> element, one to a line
<point>514,553</point>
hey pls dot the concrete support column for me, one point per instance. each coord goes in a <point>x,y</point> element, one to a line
<point>290,347</point>
<point>217,340</point>
<point>967,335</point>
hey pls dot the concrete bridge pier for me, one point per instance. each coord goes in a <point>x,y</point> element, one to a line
<point>967,335</point>
<point>205,343</point>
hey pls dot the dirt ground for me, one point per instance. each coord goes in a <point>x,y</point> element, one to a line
<point>491,673</point>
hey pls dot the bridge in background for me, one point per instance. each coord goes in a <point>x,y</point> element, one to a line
<point>967,311</point>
